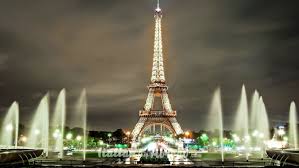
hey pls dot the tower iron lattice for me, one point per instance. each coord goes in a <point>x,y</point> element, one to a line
<point>157,88</point>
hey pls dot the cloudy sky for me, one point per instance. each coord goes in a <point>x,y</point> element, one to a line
<point>106,47</point>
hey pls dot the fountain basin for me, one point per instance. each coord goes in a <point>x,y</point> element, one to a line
<point>288,155</point>
<point>18,155</point>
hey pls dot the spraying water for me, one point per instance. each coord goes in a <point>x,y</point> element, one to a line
<point>254,117</point>
<point>10,125</point>
<point>81,109</point>
<point>293,125</point>
<point>215,116</point>
<point>263,128</point>
<point>59,122</point>
<point>241,120</point>
<point>263,121</point>
<point>39,133</point>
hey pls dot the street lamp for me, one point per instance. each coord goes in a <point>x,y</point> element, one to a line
<point>23,139</point>
<point>187,134</point>
<point>69,136</point>
<point>78,138</point>
<point>101,142</point>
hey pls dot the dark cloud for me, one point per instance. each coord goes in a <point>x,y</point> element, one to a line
<point>106,47</point>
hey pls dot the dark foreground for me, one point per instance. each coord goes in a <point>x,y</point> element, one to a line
<point>25,158</point>
<point>113,162</point>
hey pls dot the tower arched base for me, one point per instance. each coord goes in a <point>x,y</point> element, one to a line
<point>144,122</point>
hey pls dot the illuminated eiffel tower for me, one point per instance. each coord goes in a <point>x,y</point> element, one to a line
<point>149,116</point>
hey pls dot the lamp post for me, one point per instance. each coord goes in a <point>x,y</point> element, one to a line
<point>187,134</point>
<point>69,137</point>
<point>79,138</point>
<point>109,138</point>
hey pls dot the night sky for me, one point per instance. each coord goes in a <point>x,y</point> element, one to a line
<point>106,47</point>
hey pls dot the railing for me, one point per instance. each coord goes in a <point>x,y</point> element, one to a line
<point>160,85</point>
<point>157,113</point>
<point>71,163</point>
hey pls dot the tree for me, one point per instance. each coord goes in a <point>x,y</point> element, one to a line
<point>119,135</point>
<point>203,140</point>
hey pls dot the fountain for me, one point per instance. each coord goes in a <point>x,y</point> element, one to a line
<point>262,124</point>
<point>58,123</point>
<point>262,131</point>
<point>241,120</point>
<point>10,125</point>
<point>259,121</point>
<point>254,114</point>
<point>216,110</point>
<point>293,126</point>
<point>39,133</point>
<point>81,109</point>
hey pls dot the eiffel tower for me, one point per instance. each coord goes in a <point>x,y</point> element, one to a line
<point>149,116</point>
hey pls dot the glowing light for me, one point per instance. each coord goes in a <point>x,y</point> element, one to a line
<point>276,144</point>
<point>69,136</point>
<point>36,131</point>
<point>151,146</point>
<point>187,133</point>
<point>23,139</point>
<point>261,135</point>
<point>236,138</point>
<point>255,133</point>
<point>128,133</point>
<point>240,148</point>
<point>56,133</point>
<point>214,143</point>
<point>281,132</point>
<point>256,149</point>
<point>78,138</point>
<point>247,138</point>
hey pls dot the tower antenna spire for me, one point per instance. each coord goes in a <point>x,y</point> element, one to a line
<point>158,9</point>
